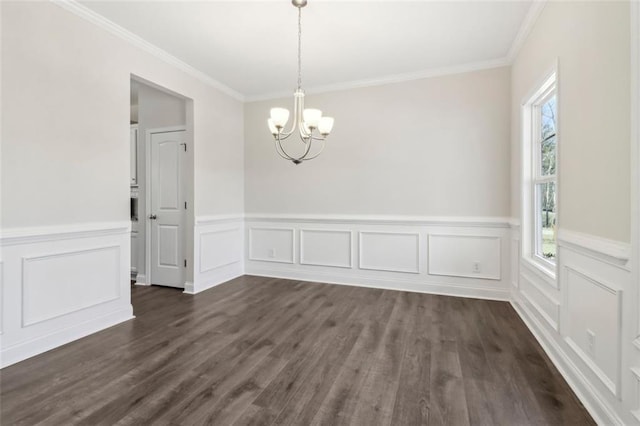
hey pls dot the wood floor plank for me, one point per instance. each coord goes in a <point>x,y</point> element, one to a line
<point>266,351</point>
<point>343,398</point>
<point>411,405</point>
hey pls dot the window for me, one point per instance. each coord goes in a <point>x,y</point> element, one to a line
<point>540,184</point>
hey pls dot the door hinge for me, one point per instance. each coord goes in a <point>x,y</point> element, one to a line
<point>185,263</point>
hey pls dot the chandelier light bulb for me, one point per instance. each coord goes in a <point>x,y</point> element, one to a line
<point>272,127</point>
<point>279,117</point>
<point>312,117</point>
<point>325,126</point>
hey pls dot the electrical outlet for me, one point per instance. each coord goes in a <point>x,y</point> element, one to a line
<point>272,253</point>
<point>591,341</point>
<point>476,267</point>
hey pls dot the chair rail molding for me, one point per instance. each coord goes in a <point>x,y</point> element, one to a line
<point>615,252</point>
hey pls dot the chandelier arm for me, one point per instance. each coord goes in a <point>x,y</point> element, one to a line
<point>319,152</point>
<point>296,114</point>
<point>280,150</point>
<point>306,151</point>
<point>283,135</point>
<point>303,157</point>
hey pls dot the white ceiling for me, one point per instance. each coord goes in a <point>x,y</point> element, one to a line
<point>250,46</point>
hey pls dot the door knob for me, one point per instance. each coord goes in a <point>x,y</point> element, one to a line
<point>153,217</point>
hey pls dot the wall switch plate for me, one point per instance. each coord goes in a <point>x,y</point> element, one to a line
<point>272,253</point>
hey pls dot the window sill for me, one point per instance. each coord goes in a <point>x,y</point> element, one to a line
<point>547,270</point>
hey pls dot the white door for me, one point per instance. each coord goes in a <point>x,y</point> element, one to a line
<point>167,209</point>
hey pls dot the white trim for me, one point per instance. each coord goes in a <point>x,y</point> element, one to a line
<point>268,259</point>
<point>634,263</point>
<point>26,260</point>
<point>361,265</point>
<point>595,404</point>
<point>603,248</point>
<point>327,231</point>
<point>479,275</point>
<point>481,221</point>
<point>216,219</point>
<point>219,276</point>
<point>547,274</point>
<point>237,228</point>
<point>614,385</point>
<point>549,81</point>
<point>106,24</point>
<point>12,354</point>
<point>391,283</point>
<point>1,296</point>
<point>389,79</point>
<point>37,234</point>
<point>141,279</point>
<point>525,28</point>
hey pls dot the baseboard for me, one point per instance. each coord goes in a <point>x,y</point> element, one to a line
<point>22,351</point>
<point>429,287</point>
<point>214,278</point>
<point>597,407</point>
<point>141,280</point>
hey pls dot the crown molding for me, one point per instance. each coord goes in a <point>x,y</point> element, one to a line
<point>525,28</point>
<point>527,24</point>
<point>95,18</point>
<point>390,79</point>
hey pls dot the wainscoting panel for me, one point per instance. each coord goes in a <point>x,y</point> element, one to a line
<point>272,244</point>
<point>469,256</point>
<point>514,255</point>
<point>593,324</point>
<point>53,284</point>
<point>579,319</point>
<point>542,303</point>
<point>218,251</point>
<point>219,248</point>
<point>60,284</point>
<point>1,299</point>
<point>326,247</point>
<point>390,251</point>
<point>381,252</point>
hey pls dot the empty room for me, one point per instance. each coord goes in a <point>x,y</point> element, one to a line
<point>320,212</point>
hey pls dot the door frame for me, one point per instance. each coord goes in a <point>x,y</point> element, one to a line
<point>147,193</point>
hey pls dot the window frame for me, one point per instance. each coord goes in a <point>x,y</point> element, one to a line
<point>532,174</point>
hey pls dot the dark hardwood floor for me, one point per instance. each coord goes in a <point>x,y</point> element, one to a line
<point>260,351</point>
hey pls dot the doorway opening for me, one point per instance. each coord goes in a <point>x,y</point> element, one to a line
<point>161,185</point>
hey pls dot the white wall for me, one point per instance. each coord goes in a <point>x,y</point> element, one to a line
<point>590,42</point>
<point>592,292</point>
<point>411,192</point>
<point>430,147</point>
<point>65,163</point>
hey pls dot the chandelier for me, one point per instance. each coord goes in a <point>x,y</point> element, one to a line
<point>310,124</point>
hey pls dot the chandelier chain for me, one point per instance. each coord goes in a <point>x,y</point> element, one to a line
<point>299,48</point>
